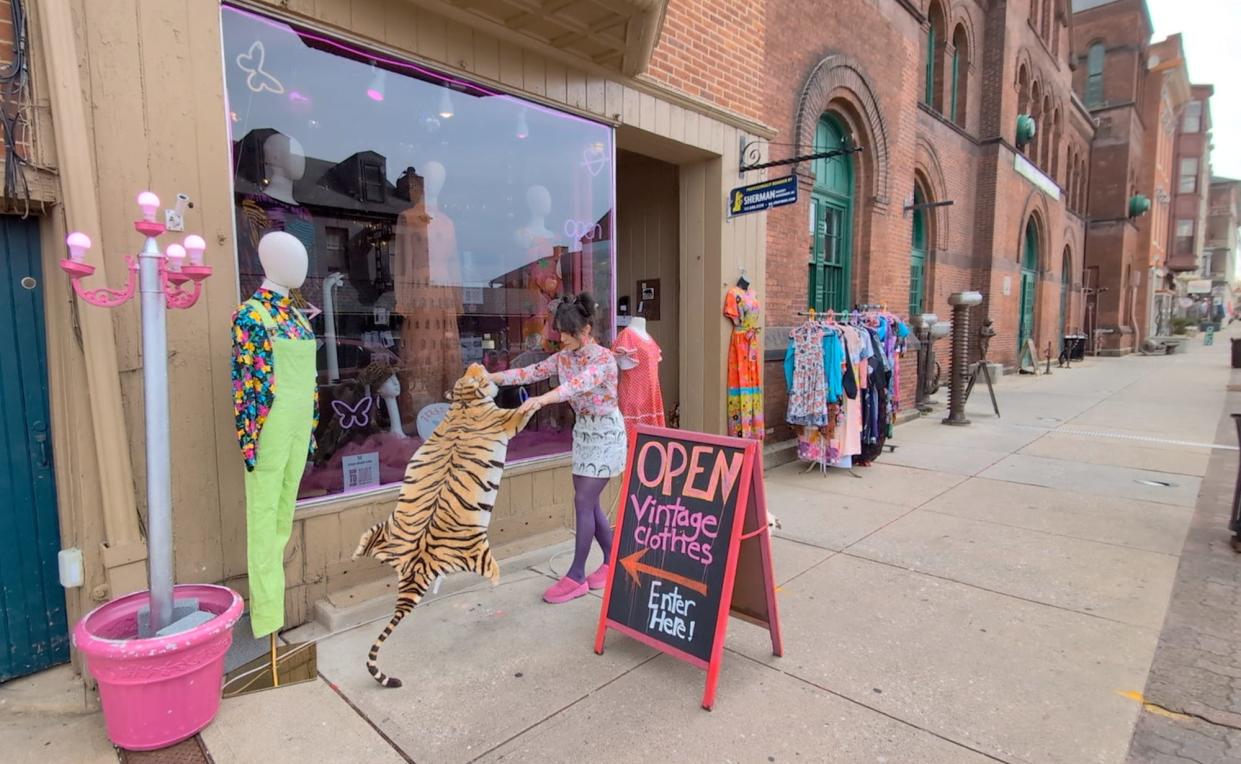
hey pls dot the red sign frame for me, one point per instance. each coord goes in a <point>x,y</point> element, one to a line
<point>755,602</point>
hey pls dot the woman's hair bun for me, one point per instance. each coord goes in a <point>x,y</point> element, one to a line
<point>586,304</point>
<point>575,313</point>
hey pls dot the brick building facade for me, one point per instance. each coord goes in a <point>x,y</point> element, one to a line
<point>1135,92</point>
<point>931,91</point>
<point>1192,163</point>
<point>1219,256</point>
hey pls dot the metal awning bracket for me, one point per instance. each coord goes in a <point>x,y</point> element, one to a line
<point>751,152</point>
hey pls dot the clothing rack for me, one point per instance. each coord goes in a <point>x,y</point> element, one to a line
<point>864,316</point>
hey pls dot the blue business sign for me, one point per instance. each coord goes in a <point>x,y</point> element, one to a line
<point>763,195</point>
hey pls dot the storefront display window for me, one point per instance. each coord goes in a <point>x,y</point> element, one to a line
<point>442,219</point>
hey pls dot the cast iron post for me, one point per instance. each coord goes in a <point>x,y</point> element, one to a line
<point>961,303</point>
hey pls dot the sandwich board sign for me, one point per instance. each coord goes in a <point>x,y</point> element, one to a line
<point>691,547</point>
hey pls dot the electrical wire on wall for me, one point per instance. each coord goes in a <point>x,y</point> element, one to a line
<point>14,98</point>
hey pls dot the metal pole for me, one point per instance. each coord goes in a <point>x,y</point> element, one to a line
<point>155,394</point>
<point>961,303</point>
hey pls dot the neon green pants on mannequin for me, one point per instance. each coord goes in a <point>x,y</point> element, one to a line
<point>271,488</point>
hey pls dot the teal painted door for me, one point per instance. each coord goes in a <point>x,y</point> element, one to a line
<point>831,249</point>
<point>917,258</point>
<point>33,631</point>
<point>1029,278</point>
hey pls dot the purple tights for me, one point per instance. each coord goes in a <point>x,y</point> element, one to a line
<point>592,523</point>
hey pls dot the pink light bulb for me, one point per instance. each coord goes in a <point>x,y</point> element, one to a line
<point>78,243</point>
<point>195,245</point>
<point>175,254</point>
<point>149,203</point>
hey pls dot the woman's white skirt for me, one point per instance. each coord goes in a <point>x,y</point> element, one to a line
<point>599,445</point>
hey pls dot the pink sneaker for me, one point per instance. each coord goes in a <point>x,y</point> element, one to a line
<point>599,578</point>
<point>564,590</point>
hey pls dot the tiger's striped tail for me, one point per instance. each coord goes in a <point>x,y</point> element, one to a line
<point>372,665</point>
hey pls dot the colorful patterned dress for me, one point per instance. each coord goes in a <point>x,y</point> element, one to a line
<point>745,387</point>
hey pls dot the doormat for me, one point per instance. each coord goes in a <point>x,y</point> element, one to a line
<point>190,751</point>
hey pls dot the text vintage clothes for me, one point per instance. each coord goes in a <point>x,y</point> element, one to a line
<point>745,391</point>
<point>257,324</point>
<point>641,400</point>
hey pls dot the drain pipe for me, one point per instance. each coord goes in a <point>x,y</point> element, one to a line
<point>961,303</point>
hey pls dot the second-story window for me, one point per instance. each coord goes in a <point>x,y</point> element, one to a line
<point>1188,182</point>
<point>1192,121</point>
<point>936,38</point>
<point>1094,75</point>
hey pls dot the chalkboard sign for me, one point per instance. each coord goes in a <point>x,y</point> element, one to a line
<point>691,546</point>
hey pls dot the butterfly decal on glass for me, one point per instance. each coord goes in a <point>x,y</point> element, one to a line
<point>257,79</point>
<point>353,416</point>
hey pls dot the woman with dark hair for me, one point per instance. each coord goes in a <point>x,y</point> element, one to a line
<point>588,374</point>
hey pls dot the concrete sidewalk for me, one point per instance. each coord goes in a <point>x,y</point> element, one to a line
<point>988,593</point>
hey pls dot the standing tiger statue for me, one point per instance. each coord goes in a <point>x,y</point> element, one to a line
<point>440,521</point>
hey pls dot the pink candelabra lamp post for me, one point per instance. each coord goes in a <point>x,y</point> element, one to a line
<point>165,280</point>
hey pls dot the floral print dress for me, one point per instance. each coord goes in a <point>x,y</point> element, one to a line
<point>745,388</point>
<point>588,377</point>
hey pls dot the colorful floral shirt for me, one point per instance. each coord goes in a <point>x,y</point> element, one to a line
<point>587,378</point>
<point>254,381</point>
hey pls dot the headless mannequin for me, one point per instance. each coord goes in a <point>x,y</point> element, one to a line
<point>637,325</point>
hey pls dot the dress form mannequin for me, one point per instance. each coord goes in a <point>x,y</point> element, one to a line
<point>274,395</point>
<point>543,272</point>
<point>627,360</point>
<point>427,279</point>
<point>638,356</point>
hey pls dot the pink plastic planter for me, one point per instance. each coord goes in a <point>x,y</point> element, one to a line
<point>157,692</point>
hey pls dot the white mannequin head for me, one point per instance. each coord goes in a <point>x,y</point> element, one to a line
<point>390,388</point>
<point>434,177</point>
<point>284,156</point>
<point>284,162</point>
<point>539,200</point>
<point>284,261</point>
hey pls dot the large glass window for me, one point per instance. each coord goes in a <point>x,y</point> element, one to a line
<point>441,220</point>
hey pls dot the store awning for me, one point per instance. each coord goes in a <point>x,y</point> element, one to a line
<point>617,34</point>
